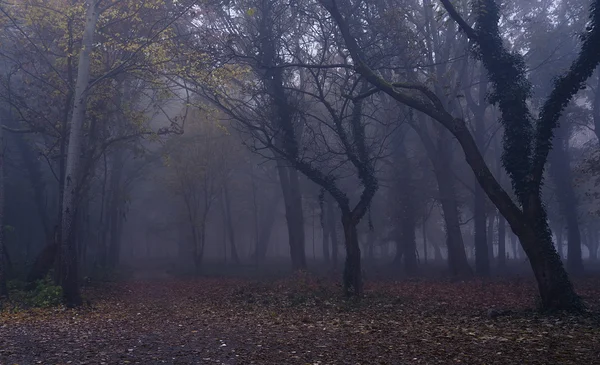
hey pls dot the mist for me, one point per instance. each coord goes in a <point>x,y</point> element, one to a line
<point>280,160</point>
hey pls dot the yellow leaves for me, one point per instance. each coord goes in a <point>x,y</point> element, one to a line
<point>251,11</point>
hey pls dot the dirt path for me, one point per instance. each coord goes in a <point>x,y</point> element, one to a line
<point>220,321</point>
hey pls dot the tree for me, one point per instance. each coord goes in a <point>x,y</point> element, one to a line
<point>523,162</point>
<point>199,165</point>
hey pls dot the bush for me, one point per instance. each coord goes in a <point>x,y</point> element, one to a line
<point>45,294</point>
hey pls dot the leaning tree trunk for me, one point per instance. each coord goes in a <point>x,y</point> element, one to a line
<point>353,285</point>
<point>68,246</point>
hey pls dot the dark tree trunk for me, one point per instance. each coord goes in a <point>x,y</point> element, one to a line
<point>491,220</point>
<point>441,158</point>
<point>353,285</point>
<point>482,262</point>
<point>457,257</point>
<point>324,230</point>
<point>229,222</point>
<point>114,209</point>
<point>293,214</point>
<point>333,232</point>
<point>560,170</point>
<point>501,242</point>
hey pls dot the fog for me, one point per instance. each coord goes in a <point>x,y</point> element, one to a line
<point>381,140</point>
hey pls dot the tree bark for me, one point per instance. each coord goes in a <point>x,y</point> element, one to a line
<point>68,248</point>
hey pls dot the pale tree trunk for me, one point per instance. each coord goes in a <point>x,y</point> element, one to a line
<point>3,261</point>
<point>68,248</point>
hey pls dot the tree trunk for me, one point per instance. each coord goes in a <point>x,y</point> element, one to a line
<point>482,262</point>
<point>293,214</point>
<point>68,248</point>
<point>229,222</point>
<point>501,243</point>
<point>267,221</point>
<point>114,209</point>
<point>440,155</point>
<point>513,245</point>
<point>353,285</point>
<point>457,257</point>
<point>324,228</point>
<point>555,288</point>
<point>491,220</point>
<point>333,232</point>
<point>560,171</point>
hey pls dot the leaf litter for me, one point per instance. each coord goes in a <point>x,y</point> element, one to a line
<point>304,320</point>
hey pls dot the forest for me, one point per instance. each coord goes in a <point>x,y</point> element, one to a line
<point>299,182</point>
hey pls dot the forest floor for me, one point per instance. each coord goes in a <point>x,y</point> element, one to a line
<point>302,320</point>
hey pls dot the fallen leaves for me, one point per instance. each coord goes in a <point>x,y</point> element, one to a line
<point>302,321</point>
